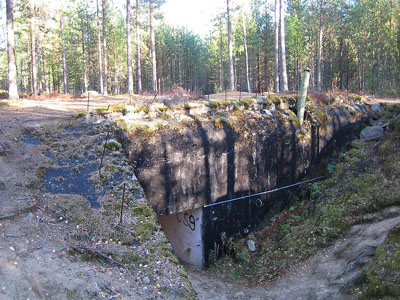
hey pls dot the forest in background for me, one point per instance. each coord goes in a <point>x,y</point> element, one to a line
<point>117,47</point>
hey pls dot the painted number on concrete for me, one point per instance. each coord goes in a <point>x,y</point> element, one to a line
<point>187,220</point>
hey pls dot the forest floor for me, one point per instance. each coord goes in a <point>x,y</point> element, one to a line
<point>46,252</point>
<point>52,244</point>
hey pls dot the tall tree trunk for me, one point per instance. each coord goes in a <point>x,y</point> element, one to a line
<point>99,49</point>
<point>153,48</point>
<point>398,51</point>
<point>341,61</point>
<point>85,79</point>
<point>115,85</point>
<point>12,67</point>
<point>22,86</point>
<point>39,71</point>
<point>246,53</point>
<point>221,61</point>
<point>105,77</point>
<point>64,61</point>
<point>230,49</point>
<point>276,47</point>
<point>129,46</point>
<point>321,36</point>
<point>33,49</point>
<point>266,86</point>
<point>284,87</point>
<point>45,75</point>
<point>138,62</point>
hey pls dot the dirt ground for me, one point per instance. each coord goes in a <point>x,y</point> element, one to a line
<point>321,277</point>
<point>35,257</point>
<point>44,252</point>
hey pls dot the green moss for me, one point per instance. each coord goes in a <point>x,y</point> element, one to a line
<point>122,124</point>
<point>145,228</point>
<point>102,111</point>
<point>120,108</point>
<point>80,115</point>
<point>274,100</point>
<point>220,103</point>
<point>142,211</point>
<point>246,102</point>
<point>163,108</point>
<point>146,109</point>
<point>112,146</point>
<point>221,121</point>
<point>135,258</point>
<point>164,251</point>
<point>138,108</point>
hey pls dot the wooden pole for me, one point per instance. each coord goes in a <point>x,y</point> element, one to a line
<point>303,95</point>
<point>122,204</point>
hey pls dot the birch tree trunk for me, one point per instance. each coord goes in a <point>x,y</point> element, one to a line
<point>129,46</point>
<point>105,70</point>
<point>276,47</point>
<point>138,63</point>
<point>64,61</point>
<point>153,48</point>
<point>230,49</point>
<point>321,34</point>
<point>246,53</point>
<point>284,87</point>
<point>33,49</point>
<point>12,67</point>
<point>99,49</point>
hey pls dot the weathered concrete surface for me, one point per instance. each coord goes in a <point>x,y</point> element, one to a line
<point>211,158</point>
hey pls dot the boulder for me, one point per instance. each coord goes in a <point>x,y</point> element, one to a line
<point>371,133</point>
<point>376,107</point>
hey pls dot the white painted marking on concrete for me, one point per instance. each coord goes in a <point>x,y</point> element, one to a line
<point>184,231</point>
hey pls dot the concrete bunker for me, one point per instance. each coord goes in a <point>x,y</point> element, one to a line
<point>184,169</point>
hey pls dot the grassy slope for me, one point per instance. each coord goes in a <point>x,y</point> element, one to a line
<point>364,179</point>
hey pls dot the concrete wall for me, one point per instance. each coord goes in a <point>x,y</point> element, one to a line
<point>185,233</point>
<point>201,164</point>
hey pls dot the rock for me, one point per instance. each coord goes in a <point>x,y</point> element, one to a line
<point>376,107</point>
<point>146,280</point>
<point>113,144</point>
<point>261,98</point>
<point>90,93</point>
<point>371,132</point>
<point>109,122</point>
<point>268,112</point>
<point>251,245</point>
